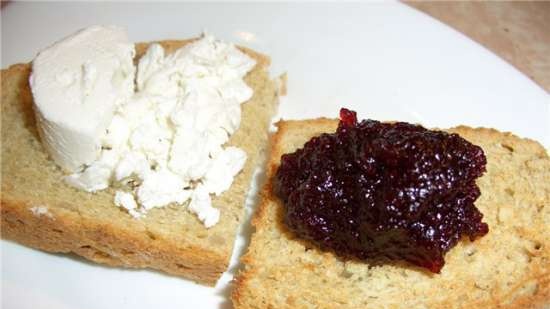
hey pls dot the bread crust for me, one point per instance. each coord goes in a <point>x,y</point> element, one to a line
<point>65,227</point>
<point>62,232</point>
<point>302,277</point>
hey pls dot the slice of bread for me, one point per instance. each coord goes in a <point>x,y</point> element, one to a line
<point>507,268</point>
<point>41,211</point>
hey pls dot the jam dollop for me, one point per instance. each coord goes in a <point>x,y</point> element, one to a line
<point>379,191</point>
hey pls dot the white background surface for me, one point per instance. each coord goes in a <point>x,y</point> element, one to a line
<point>385,60</point>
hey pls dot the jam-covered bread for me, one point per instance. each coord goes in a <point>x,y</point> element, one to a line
<point>506,268</point>
<point>375,190</point>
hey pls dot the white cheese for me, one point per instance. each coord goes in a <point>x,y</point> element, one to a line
<point>223,169</point>
<point>41,210</point>
<point>201,205</point>
<point>166,142</point>
<point>160,188</point>
<point>97,176</point>
<point>132,163</point>
<point>126,200</point>
<point>77,84</point>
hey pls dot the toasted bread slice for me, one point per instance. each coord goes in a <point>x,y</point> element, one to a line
<point>507,268</point>
<point>41,211</point>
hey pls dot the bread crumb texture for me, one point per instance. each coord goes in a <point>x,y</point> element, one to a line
<point>169,239</point>
<point>507,268</point>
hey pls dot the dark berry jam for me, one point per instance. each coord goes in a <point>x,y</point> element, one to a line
<point>383,191</point>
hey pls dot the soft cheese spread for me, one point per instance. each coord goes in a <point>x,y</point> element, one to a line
<point>164,143</point>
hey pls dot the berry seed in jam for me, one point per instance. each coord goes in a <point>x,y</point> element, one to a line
<point>377,190</point>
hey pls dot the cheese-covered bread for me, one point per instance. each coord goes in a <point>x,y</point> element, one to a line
<point>40,210</point>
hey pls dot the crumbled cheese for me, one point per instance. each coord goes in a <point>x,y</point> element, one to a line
<point>126,200</point>
<point>202,206</point>
<point>41,210</point>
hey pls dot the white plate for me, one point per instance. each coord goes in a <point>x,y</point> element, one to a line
<point>384,60</point>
